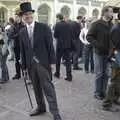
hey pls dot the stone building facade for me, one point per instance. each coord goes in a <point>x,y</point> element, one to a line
<point>46,10</point>
<point>7,9</point>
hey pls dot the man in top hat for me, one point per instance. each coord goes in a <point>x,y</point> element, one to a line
<point>37,54</point>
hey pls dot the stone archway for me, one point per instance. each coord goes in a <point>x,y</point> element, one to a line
<point>95,13</point>
<point>3,15</point>
<point>17,10</point>
<point>65,11</point>
<point>82,11</point>
<point>44,13</point>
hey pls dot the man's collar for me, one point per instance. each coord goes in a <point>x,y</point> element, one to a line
<point>32,24</point>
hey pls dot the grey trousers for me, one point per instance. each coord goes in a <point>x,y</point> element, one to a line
<point>42,84</point>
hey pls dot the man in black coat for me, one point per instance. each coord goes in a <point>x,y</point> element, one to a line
<point>76,29</point>
<point>37,54</point>
<point>63,35</point>
<point>14,34</point>
<point>99,37</point>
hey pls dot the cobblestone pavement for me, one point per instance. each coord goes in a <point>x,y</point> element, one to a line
<point>75,100</point>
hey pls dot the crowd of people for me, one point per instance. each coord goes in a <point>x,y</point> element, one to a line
<point>30,45</point>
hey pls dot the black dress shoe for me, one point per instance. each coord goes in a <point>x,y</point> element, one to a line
<point>92,71</point>
<point>110,109</point>
<point>68,79</point>
<point>117,102</point>
<point>99,97</point>
<point>57,75</point>
<point>37,112</point>
<point>57,117</point>
<point>16,77</point>
<point>77,68</point>
<point>3,82</point>
<point>86,71</point>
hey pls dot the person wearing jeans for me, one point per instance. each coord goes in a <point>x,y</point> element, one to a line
<point>3,58</point>
<point>99,37</point>
<point>101,77</point>
<point>88,59</point>
<point>4,68</point>
<point>88,49</point>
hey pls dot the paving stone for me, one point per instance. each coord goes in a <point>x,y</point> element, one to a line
<point>75,99</point>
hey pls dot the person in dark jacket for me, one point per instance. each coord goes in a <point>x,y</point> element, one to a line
<point>99,37</point>
<point>113,93</point>
<point>10,41</point>
<point>63,35</point>
<point>76,29</point>
<point>37,55</point>
<point>14,34</point>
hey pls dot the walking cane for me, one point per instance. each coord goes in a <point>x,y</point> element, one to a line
<point>26,86</point>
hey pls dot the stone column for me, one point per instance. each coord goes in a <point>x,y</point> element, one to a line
<point>102,5</point>
<point>11,13</point>
<point>74,10</point>
<point>55,10</point>
<point>89,9</point>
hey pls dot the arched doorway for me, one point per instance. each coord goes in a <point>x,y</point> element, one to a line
<point>82,11</point>
<point>17,10</point>
<point>95,13</point>
<point>3,15</point>
<point>44,13</point>
<point>65,11</point>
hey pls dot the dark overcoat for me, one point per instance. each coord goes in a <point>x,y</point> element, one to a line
<point>63,35</point>
<point>76,29</point>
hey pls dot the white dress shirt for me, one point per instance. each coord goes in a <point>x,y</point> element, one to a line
<point>30,28</point>
<point>83,35</point>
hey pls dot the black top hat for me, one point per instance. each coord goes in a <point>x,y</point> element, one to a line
<point>26,7</point>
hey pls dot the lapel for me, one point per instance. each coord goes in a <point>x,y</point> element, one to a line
<point>27,36</point>
<point>35,35</point>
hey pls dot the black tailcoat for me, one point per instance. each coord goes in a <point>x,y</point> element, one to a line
<point>42,49</point>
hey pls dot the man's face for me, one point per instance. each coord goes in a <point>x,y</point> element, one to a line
<point>28,17</point>
<point>79,20</point>
<point>88,23</point>
<point>109,13</point>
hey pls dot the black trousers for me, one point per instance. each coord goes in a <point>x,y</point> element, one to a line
<point>17,58</point>
<point>42,83</point>
<point>77,52</point>
<point>66,54</point>
<point>75,59</point>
